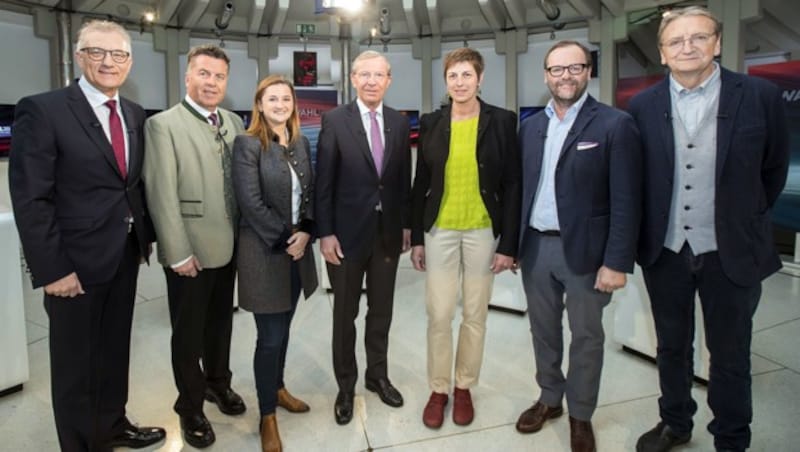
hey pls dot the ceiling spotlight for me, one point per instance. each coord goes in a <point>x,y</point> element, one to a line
<point>148,17</point>
<point>350,5</point>
<point>386,24</point>
<point>225,16</point>
<point>373,32</point>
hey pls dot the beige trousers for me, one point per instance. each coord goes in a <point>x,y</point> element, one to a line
<point>457,264</point>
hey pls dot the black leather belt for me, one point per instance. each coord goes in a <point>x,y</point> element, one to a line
<point>550,233</point>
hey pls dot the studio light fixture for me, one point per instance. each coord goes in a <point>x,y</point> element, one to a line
<point>349,5</point>
<point>224,18</point>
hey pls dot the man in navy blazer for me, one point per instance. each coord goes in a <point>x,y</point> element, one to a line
<point>716,154</point>
<point>578,228</point>
<point>363,180</point>
<point>79,204</point>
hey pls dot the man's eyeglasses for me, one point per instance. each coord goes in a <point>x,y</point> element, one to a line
<point>574,69</point>
<point>695,40</point>
<point>378,76</point>
<point>98,54</point>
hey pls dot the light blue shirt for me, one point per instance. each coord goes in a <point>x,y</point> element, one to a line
<point>544,215</point>
<point>692,105</point>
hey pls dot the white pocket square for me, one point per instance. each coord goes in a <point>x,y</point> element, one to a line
<point>584,145</point>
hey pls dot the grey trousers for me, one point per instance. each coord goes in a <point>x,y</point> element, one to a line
<point>547,279</point>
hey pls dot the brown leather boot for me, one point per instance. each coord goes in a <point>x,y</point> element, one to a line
<point>270,439</point>
<point>290,403</point>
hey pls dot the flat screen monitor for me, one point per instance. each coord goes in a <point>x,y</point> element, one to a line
<point>6,120</point>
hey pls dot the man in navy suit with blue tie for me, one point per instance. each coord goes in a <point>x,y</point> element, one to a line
<point>716,154</point>
<point>579,222</point>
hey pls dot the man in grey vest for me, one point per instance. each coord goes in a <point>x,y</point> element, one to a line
<point>716,154</point>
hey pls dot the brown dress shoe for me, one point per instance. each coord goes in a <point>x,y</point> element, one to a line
<point>532,419</point>
<point>270,439</point>
<point>581,436</point>
<point>433,415</point>
<point>462,407</point>
<point>290,403</point>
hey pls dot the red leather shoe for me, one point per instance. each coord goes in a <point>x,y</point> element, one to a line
<point>462,407</point>
<point>433,416</point>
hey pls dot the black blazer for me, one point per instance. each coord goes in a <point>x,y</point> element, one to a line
<point>598,186</point>
<point>498,173</point>
<point>348,186</point>
<point>751,167</point>
<point>70,200</point>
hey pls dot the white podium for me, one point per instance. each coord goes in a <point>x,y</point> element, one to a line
<point>13,340</point>
<point>634,328</point>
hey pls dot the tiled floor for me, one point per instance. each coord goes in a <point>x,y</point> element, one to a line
<point>627,400</point>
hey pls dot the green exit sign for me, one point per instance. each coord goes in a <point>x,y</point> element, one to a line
<point>306,29</point>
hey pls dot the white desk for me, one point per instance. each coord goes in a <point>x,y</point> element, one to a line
<point>13,340</point>
<point>634,328</point>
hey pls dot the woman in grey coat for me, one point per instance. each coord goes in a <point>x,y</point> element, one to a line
<point>274,188</point>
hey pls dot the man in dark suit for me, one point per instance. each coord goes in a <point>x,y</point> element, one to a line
<point>76,158</point>
<point>580,217</point>
<point>716,156</point>
<point>362,213</point>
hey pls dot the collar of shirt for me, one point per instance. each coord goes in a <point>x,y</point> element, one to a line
<point>200,109</point>
<point>94,96</point>
<point>572,111</point>
<point>364,110</point>
<point>679,90</point>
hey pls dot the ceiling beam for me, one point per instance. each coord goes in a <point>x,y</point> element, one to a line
<point>84,6</point>
<point>494,18</point>
<point>586,8</point>
<point>516,11</point>
<point>166,10</point>
<point>257,15</point>
<point>433,17</point>
<point>279,19</point>
<point>411,18</point>
<point>617,7</point>
<point>193,12</point>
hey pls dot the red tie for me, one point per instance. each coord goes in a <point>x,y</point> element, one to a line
<point>117,137</point>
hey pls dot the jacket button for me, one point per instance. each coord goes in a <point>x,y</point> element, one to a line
<point>301,174</point>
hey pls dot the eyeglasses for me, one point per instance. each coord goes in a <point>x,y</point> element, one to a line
<point>98,54</point>
<point>574,69</point>
<point>365,76</point>
<point>695,40</point>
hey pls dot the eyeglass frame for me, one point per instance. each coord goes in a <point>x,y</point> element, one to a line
<point>365,76</point>
<point>89,54</point>
<point>695,40</point>
<point>559,70</point>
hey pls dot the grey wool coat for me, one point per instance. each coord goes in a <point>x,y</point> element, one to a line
<point>263,186</point>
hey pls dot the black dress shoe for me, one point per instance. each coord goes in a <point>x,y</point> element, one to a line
<point>197,431</point>
<point>344,407</point>
<point>661,439</point>
<point>137,437</point>
<point>388,393</point>
<point>228,401</point>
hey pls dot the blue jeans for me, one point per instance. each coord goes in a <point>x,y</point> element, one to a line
<point>271,344</point>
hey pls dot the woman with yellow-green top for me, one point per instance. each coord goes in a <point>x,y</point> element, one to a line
<point>465,221</point>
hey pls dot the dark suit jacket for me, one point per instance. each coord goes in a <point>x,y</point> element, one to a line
<point>263,185</point>
<point>498,173</point>
<point>598,186</point>
<point>348,186</point>
<point>70,201</point>
<point>751,166</point>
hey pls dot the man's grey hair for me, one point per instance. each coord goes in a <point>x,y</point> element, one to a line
<point>102,26</point>
<point>368,55</point>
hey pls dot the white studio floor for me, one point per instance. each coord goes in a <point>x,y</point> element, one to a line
<point>628,395</point>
